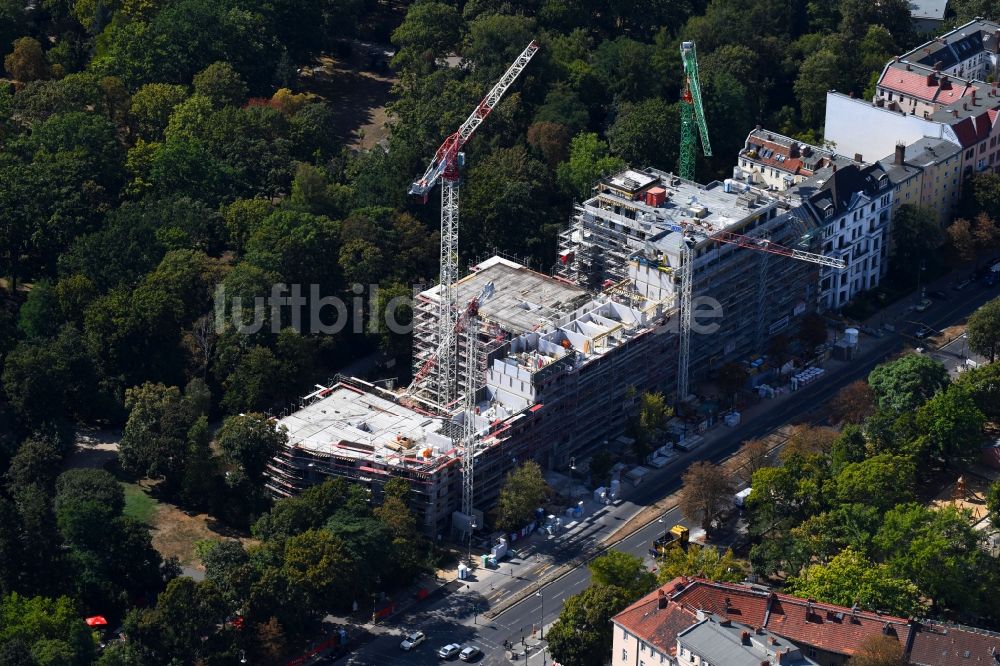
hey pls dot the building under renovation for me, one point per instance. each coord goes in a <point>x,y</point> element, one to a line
<point>562,358</point>
<point>559,364</point>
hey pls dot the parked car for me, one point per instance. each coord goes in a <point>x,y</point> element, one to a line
<point>449,650</point>
<point>923,332</point>
<point>937,294</point>
<point>412,640</point>
<point>470,653</point>
<point>923,304</point>
<point>962,284</point>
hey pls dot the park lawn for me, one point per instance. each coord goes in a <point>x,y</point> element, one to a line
<point>138,503</point>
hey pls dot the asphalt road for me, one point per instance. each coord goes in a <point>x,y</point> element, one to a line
<point>454,617</point>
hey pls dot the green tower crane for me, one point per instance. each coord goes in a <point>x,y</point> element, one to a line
<point>692,113</point>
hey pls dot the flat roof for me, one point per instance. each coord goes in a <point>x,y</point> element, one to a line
<point>522,299</point>
<point>347,421</point>
<point>630,180</point>
<point>928,9</point>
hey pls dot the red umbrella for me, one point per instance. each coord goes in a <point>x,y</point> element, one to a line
<point>96,621</point>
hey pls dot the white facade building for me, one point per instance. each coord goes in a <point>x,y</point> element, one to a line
<point>853,206</point>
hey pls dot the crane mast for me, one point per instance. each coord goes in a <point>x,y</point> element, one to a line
<point>444,168</point>
<point>692,114</point>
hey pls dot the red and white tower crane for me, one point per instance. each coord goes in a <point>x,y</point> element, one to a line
<point>444,168</point>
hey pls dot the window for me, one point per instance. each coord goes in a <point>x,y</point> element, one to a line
<point>624,654</point>
<point>642,648</point>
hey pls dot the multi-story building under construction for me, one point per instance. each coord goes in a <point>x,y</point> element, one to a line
<point>563,357</point>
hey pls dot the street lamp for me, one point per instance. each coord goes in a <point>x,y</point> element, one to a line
<point>243,656</point>
<point>541,626</point>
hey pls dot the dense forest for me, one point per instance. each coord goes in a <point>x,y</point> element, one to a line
<point>158,153</point>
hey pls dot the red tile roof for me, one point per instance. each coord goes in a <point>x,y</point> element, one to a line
<point>828,627</point>
<point>974,129</point>
<point>782,614</point>
<point>914,84</point>
<point>654,625</point>
<point>950,645</point>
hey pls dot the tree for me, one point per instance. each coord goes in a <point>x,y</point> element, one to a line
<point>849,578</point>
<point>152,106</point>
<point>983,384</point>
<point>550,140</point>
<point>917,237</point>
<point>849,447</point>
<point>588,162</point>
<point>939,550</point>
<point>319,564</point>
<point>624,571</point>
<point>35,621</point>
<point>40,317</point>
<point>706,491</point>
<point>906,383</point>
<point>951,425</point>
<point>154,442</point>
<point>563,106</point>
<point>750,457</point>
<point>582,634</point>
<point>524,490</point>
<point>820,71</point>
<point>993,503</point>
<point>430,30</point>
<point>650,421</point>
<point>220,84</point>
<point>878,650</point>
<point>646,133</point>
<point>854,403</point>
<point>706,562</point>
<point>985,232</point>
<point>27,62</point>
<point>36,461</point>
<point>882,481</point>
<point>508,205</point>
<point>248,442</point>
<point>198,485</point>
<point>805,440</point>
<point>983,330</point>
<point>187,615</point>
<point>962,241</point>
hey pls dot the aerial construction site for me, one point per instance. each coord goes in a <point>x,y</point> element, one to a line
<point>511,364</point>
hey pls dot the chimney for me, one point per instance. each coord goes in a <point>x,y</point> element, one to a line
<point>900,154</point>
<point>834,167</point>
<point>770,640</point>
<point>954,113</point>
<point>965,106</point>
<point>851,94</point>
<point>779,656</point>
<point>661,599</point>
<point>931,79</point>
<point>857,157</point>
<point>745,638</point>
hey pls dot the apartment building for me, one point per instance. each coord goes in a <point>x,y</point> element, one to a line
<point>653,629</point>
<point>940,164</point>
<point>637,223</point>
<point>773,161</point>
<point>560,371</point>
<point>906,177</point>
<point>853,209</point>
<point>941,71</point>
